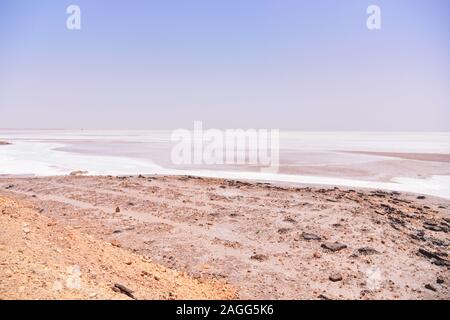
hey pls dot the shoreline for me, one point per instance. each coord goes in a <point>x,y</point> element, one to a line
<point>269,241</point>
<point>275,179</point>
<point>416,172</point>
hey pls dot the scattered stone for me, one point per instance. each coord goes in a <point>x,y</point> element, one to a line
<point>430,287</point>
<point>421,197</point>
<point>335,277</point>
<point>115,243</point>
<point>26,230</point>
<point>283,230</point>
<point>117,210</point>
<point>259,257</point>
<point>419,235</point>
<point>367,251</point>
<point>434,257</point>
<point>289,219</point>
<point>440,280</point>
<point>10,186</point>
<point>333,246</point>
<point>438,242</point>
<point>310,236</point>
<point>432,226</point>
<point>317,255</point>
<point>323,297</point>
<point>122,289</point>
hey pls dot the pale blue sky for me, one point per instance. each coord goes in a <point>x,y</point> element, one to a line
<point>297,65</point>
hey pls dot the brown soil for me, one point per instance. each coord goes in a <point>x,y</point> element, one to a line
<point>42,259</point>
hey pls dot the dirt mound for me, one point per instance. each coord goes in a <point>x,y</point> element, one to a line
<point>41,259</point>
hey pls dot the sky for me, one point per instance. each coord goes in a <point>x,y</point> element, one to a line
<point>276,64</point>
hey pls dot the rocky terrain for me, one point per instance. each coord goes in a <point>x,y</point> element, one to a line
<point>267,241</point>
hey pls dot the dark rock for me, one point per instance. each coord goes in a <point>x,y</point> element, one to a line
<point>122,289</point>
<point>117,210</point>
<point>395,226</point>
<point>419,235</point>
<point>259,257</point>
<point>397,221</point>
<point>432,226</point>
<point>421,197</point>
<point>435,258</point>
<point>430,287</point>
<point>333,246</point>
<point>438,242</point>
<point>440,280</point>
<point>335,277</point>
<point>310,236</point>
<point>367,251</point>
<point>289,219</point>
<point>10,186</point>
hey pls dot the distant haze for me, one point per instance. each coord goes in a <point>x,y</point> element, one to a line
<point>292,65</point>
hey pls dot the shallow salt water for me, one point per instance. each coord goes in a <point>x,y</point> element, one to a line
<point>52,152</point>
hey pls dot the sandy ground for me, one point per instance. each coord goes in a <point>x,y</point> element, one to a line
<point>42,259</point>
<point>267,241</point>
